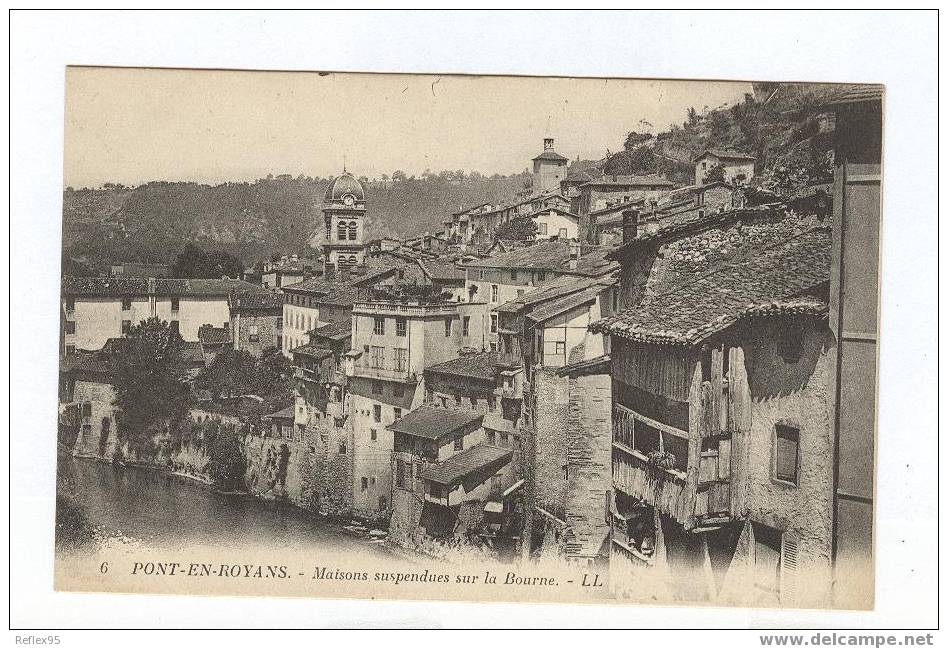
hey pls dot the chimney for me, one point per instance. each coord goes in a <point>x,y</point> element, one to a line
<point>630,225</point>
<point>547,144</point>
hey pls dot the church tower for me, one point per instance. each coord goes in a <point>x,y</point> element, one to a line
<point>549,169</point>
<point>344,214</point>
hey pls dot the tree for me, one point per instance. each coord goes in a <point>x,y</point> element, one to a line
<point>150,384</point>
<point>231,373</point>
<point>715,174</point>
<point>634,140</point>
<point>692,117</point>
<point>398,175</point>
<point>226,463</point>
<point>519,228</point>
<point>194,262</point>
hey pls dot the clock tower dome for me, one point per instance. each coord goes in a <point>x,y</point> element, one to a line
<point>344,215</point>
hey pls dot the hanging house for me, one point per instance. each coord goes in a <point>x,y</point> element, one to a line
<point>722,450</point>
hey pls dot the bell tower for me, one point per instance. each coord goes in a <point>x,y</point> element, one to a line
<point>344,216</point>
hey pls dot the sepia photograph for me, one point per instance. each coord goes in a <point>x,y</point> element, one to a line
<point>616,343</point>
<point>453,319</point>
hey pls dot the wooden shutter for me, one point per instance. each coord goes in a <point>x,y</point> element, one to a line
<point>789,559</point>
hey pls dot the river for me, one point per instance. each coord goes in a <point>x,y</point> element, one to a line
<point>161,510</point>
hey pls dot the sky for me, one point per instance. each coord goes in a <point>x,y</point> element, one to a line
<point>127,125</point>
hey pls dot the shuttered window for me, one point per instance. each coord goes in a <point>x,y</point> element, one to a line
<point>789,560</point>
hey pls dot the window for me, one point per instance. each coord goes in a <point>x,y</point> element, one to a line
<point>364,483</point>
<point>513,276</point>
<point>491,403</point>
<point>541,275</point>
<point>459,443</point>
<point>457,400</point>
<point>519,292</point>
<point>253,332</point>
<point>493,293</point>
<point>374,434</point>
<point>126,327</point>
<point>401,359</point>
<point>786,453</point>
<point>342,448</point>
<point>397,412</point>
<point>491,437</point>
<point>493,323</point>
<point>401,327</point>
<point>560,349</point>
<point>481,275</point>
<point>353,231</point>
<point>372,481</point>
<point>379,326</point>
<point>376,387</point>
<point>175,326</point>
<point>70,304</point>
<point>493,347</point>
<point>70,349</point>
<point>71,327</point>
<point>341,228</point>
<point>126,304</point>
<point>447,327</point>
<point>504,439</point>
<point>87,409</point>
<point>378,357</point>
<point>563,233</point>
<point>466,326</point>
<point>473,403</point>
<point>175,304</point>
<point>541,229</point>
<point>377,413</point>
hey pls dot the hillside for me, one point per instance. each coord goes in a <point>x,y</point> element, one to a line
<point>152,222</point>
<point>775,124</point>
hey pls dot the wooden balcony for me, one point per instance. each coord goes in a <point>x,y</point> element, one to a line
<point>385,374</point>
<point>664,489</point>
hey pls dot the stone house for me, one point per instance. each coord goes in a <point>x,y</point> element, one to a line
<point>566,426</point>
<point>396,335</point>
<point>256,321</point>
<point>449,477</point>
<point>738,166</point>
<point>99,308</point>
<point>722,453</point>
<point>608,189</point>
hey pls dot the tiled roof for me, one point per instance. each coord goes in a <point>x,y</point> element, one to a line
<point>286,413</point>
<point>584,170</point>
<point>597,365</point>
<point>682,228</point>
<point>477,366</point>
<point>479,458</point>
<point>214,335</point>
<point>786,273</point>
<point>551,255</point>
<point>565,303</point>
<point>312,350</point>
<point>247,301</point>
<point>439,270</point>
<point>855,95</point>
<point>552,290</point>
<point>551,155</point>
<point>727,154</point>
<point>434,423</point>
<point>632,181</point>
<point>334,330</point>
<point>139,286</point>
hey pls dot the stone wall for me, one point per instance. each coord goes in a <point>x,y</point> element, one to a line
<point>551,397</point>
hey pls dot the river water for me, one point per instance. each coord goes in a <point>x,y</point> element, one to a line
<point>161,510</point>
